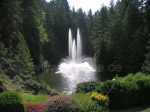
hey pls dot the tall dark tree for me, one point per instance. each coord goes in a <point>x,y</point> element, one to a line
<point>90,21</point>
<point>10,20</point>
<point>59,27</point>
<point>22,62</point>
<point>33,28</point>
<point>11,36</point>
<point>146,65</point>
<point>3,57</point>
<point>119,34</point>
<point>100,36</point>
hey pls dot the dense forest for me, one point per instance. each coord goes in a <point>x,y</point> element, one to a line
<point>34,43</point>
<point>34,35</point>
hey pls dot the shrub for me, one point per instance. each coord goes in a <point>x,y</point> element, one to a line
<point>129,91</point>
<point>123,92</point>
<point>34,107</point>
<point>61,104</point>
<point>144,90</point>
<point>86,104</point>
<point>121,95</point>
<point>101,99</point>
<point>11,102</point>
<point>142,81</point>
<point>87,87</point>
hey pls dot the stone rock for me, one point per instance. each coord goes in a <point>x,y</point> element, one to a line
<point>32,85</point>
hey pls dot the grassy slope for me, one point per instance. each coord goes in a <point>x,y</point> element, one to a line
<point>34,99</point>
<point>7,82</point>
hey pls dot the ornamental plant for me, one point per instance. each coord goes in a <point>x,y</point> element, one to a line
<point>11,102</point>
<point>86,104</point>
<point>34,108</point>
<point>101,99</point>
<point>61,104</point>
<point>87,87</point>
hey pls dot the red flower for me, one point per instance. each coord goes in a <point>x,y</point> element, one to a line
<point>34,107</point>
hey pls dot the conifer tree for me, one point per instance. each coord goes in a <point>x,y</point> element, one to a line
<point>100,36</point>
<point>22,61</point>
<point>3,57</point>
<point>33,28</point>
<point>10,21</point>
<point>146,65</point>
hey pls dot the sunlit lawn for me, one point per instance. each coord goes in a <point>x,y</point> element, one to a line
<point>34,99</point>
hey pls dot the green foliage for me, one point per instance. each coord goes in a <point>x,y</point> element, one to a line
<point>87,87</point>
<point>121,95</point>
<point>3,56</point>
<point>48,77</point>
<point>38,18</point>
<point>11,102</point>
<point>100,37</point>
<point>119,33</point>
<point>10,21</point>
<point>144,90</point>
<point>23,63</point>
<point>146,65</point>
<point>128,91</point>
<point>61,104</point>
<point>86,104</point>
<point>101,99</point>
<point>9,83</point>
<point>33,28</point>
<point>58,22</point>
<point>34,99</point>
<point>119,36</point>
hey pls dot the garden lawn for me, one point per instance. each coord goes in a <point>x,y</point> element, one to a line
<point>34,99</point>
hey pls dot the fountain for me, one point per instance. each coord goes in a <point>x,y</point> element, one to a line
<point>76,68</point>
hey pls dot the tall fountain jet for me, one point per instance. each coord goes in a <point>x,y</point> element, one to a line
<point>79,47</point>
<point>76,68</point>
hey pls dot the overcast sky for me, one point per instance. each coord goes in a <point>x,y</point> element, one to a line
<point>94,5</point>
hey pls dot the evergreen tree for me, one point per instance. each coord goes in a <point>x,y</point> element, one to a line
<point>10,34</point>
<point>48,48</point>
<point>10,20</point>
<point>74,20</point>
<point>100,37</point>
<point>33,28</point>
<point>3,57</point>
<point>22,62</point>
<point>118,33</point>
<point>147,13</point>
<point>58,22</point>
<point>146,65</point>
<point>90,20</point>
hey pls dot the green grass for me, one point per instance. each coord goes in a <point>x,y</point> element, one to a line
<point>8,83</point>
<point>82,97</point>
<point>85,102</point>
<point>34,99</point>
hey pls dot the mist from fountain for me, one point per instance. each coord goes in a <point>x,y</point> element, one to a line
<point>76,68</point>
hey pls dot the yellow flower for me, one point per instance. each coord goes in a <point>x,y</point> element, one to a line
<point>99,97</point>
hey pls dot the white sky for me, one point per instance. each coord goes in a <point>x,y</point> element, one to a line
<point>94,5</point>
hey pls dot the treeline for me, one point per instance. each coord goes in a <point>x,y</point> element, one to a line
<point>120,35</point>
<point>34,35</point>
